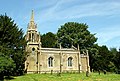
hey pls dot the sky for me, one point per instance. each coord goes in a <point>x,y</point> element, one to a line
<point>102,16</point>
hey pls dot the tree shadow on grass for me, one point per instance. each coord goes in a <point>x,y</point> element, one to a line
<point>9,77</point>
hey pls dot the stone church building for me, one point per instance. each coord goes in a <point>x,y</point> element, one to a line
<point>43,60</point>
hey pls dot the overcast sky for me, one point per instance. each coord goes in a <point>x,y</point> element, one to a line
<point>102,16</point>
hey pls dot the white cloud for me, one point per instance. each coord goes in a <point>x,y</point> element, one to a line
<point>59,11</point>
<point>106,34</point>
<point>92,9</point>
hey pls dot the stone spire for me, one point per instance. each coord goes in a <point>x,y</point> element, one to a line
<point>32,16</point>
<point>32,24</point>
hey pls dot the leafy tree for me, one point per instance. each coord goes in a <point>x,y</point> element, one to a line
<point>48,40</point>
<point>115,59</point>
<point>104,59</point>
<point>6,66</point>
<point>93,56</point>
<point>117,62</point>
<point>12,42</point>
<point>73,33</point>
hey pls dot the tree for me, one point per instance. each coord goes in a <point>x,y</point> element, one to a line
<point>93,56</point>
<point>6,66</point>
<point>117,62</point>
<point>115,59</point>
<point>73,33</point>
<point>101,58</point>
<point>48,40</point>
<point>12,42</point>
<point>104,60</point>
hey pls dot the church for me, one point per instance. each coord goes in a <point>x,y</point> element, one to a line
<point>46,60</point>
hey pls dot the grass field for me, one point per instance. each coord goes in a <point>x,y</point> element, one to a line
<point>67,77</point>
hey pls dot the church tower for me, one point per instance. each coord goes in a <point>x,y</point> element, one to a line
<point>32,35</point>
<point>33,44</point>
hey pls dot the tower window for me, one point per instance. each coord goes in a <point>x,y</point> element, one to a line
<point>32,37</point>
<point>70,61</point>
<point>50,62</point>
<point>33,50</point>
<point>29,37</point>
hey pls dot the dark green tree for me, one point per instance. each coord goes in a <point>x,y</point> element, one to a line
<point>94,55</point>
<point>48,40</point>
<point>104,58</point>
<point>73,33</point>
<point>12,42</point>
<point>117,62</point>
<point>101,58</point>
<point>115,59</point>
<point>7,66</point>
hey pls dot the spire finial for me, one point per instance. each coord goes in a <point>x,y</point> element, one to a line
<point>32,16</point>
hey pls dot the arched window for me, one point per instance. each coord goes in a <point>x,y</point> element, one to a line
<point>29,36</point>
<point>33,37</point>
<point>70,61</point>
<point>50,62</point>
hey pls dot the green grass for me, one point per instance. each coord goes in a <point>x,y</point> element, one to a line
<point>67,77</point>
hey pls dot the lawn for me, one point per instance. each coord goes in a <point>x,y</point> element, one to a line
<point>67,77</point>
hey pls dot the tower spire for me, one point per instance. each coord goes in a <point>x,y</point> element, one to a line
<point>32,16</point>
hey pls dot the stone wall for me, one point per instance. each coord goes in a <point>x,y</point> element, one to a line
<point>38,60</point>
